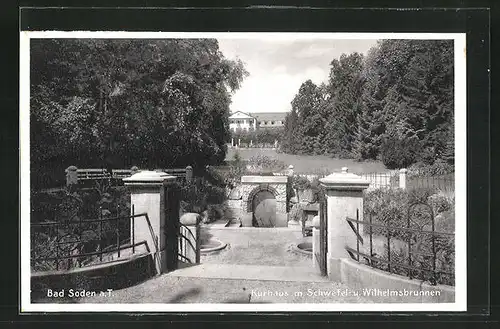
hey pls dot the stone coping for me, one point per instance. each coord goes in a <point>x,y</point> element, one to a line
<point>149,177</point>
<point>344,181</point>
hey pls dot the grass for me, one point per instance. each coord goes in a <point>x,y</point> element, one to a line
<point>311,163</point>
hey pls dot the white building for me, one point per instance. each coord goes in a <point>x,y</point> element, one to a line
<point>258,120</point>
<point>240,120</point>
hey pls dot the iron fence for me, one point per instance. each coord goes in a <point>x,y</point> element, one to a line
<point>70,244</point>
<point>444,183</point>
<point>381,180</point>
<point>188,251</point>
<point>420,263</point>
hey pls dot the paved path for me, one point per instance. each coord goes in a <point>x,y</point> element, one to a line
<point>253,272</point>
<point>235,284</point>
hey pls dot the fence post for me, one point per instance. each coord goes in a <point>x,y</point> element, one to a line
<point>344,196</point>
<point>71,176</point>
<point>402,178</point>
<point>189,174</point>
<point>149,196</point>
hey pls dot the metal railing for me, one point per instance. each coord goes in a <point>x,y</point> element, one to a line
<point>410,237</point>
<point>444,183</point>
<point>186,238</point>
<point>88,242</point>
<point>381,180</point>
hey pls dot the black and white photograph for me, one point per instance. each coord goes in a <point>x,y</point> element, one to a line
<point>243,171</point>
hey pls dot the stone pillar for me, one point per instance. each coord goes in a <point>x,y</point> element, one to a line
<point>189,174</point>
<point>290,170</point>
<point>71,176</point>
<point>402,178</point>
<point>344,194</point>
<point>151,194</point>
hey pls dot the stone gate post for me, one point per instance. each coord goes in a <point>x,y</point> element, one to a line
<point>71,176</point>
<point>344,195</point>
<point>402,178</point>
<point>151,193</point>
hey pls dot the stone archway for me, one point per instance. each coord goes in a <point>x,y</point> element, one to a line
<point>264,201</point>
<point>263,209</point>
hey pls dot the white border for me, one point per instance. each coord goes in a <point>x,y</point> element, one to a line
<point>460,179</point>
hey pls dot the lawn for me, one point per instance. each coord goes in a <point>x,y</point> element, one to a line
<point>311,163</point>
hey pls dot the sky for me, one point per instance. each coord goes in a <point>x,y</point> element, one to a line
<point>278,67</point>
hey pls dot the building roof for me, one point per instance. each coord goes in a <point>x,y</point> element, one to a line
<point>239,114</point>
<point>270,116</point>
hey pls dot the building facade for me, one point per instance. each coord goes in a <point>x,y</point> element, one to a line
<point>252,121</point>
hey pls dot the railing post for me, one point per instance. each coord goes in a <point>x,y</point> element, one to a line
<point>189,174</point>
<point>191,232</point>
<point>71,176</point>
<point>344,195</point>
<point>316,240</point>
<point>147,196</point>
<point>402,178</point>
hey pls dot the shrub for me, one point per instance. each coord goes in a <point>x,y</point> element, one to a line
<point>66,206</point>
<point>391,208</point>
<point>295,213</point>
<point>399,153</point>
<point>300,183</point>
<point>438,168</point>
<point>263,163</point>
<point>441,202</point>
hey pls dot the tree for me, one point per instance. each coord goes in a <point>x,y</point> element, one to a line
<point>130,102</point>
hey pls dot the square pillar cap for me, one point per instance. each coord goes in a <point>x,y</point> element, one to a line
<point>344,181</point>
<point>149,178</point>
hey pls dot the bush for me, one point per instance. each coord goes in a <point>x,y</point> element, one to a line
<point>197,197</point>
<point>438,168</point>
<point>65,206</point>
<point>300,183</point>
<point>391,208</point>
<point>263,163</point>
<point>441,202</point>
<point>399,153</point>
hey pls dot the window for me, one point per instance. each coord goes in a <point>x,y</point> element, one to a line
<point>272,122</point>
